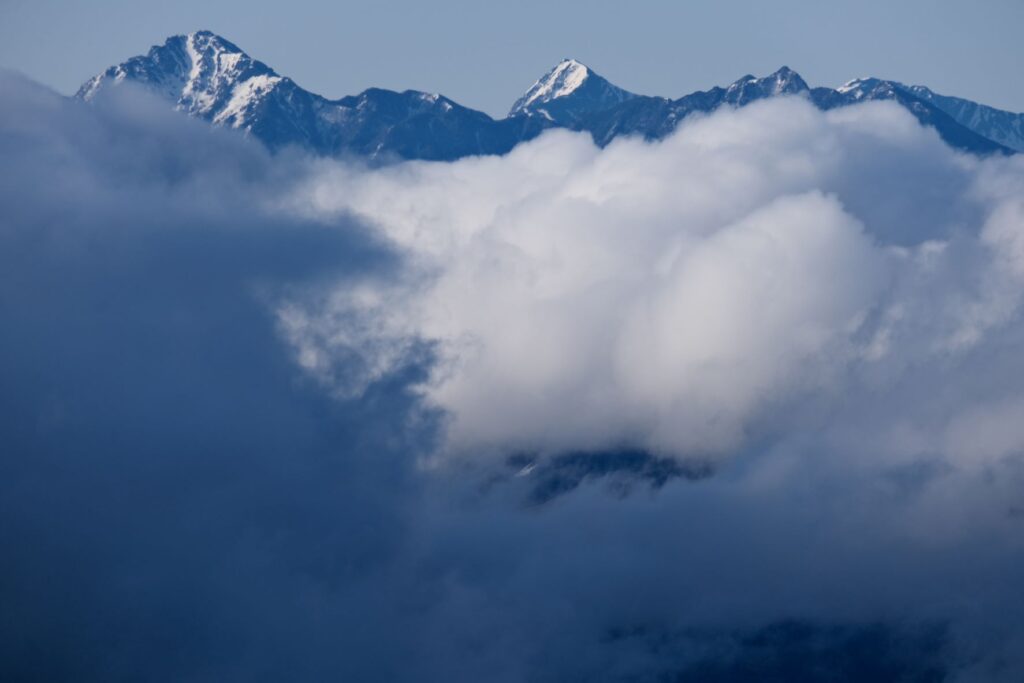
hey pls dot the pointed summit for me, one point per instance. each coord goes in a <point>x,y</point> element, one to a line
<point>785,81</point>
<point>567,76</point>
<point>567,91</point>
<point>869,88</point>
<point>788,81</point>
<point>202,73</point>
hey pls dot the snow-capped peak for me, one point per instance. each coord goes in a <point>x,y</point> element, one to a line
<point>201,72</point>
<point>568,79</point>
<point>785,81</point>
<point>208,77</point>
<point>868,87</point>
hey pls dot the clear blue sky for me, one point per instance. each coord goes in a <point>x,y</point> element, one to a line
<point>485,54</point>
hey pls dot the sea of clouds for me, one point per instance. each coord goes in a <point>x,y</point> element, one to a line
<point>257,412</point>
<point>670,296</point>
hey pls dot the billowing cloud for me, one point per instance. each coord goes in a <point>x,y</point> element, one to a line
<point>222,371</point>
<point>671,296</point>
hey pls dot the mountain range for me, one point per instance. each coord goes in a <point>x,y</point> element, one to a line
<point>210,78</point>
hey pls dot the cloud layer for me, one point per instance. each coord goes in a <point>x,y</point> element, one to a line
<point>671,296</point>
<point>221,373</point>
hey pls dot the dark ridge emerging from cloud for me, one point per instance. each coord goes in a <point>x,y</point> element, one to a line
<point>621,471</point>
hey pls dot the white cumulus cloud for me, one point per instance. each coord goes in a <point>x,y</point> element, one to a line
<point>672,296</point>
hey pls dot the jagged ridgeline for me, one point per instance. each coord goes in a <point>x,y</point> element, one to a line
<point>210,78</point>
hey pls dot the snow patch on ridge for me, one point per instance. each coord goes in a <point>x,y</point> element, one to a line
<point>243,96</point>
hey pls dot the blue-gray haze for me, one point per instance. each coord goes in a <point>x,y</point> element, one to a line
<point>270,416</point>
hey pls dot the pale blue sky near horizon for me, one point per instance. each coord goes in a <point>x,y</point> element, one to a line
<point>484,55</point>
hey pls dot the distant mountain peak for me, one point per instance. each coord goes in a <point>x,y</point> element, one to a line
<point>208,40</point>
<point>864,84</point>
<point>208,77</point>
<point>566,77</point>
<point>1003,127</point>
<point>787,78</point>
<point>784,81</point>
<point>563,92</point>
<point>203,73</point>
<point>852,84</point>
<point>205,34</point>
